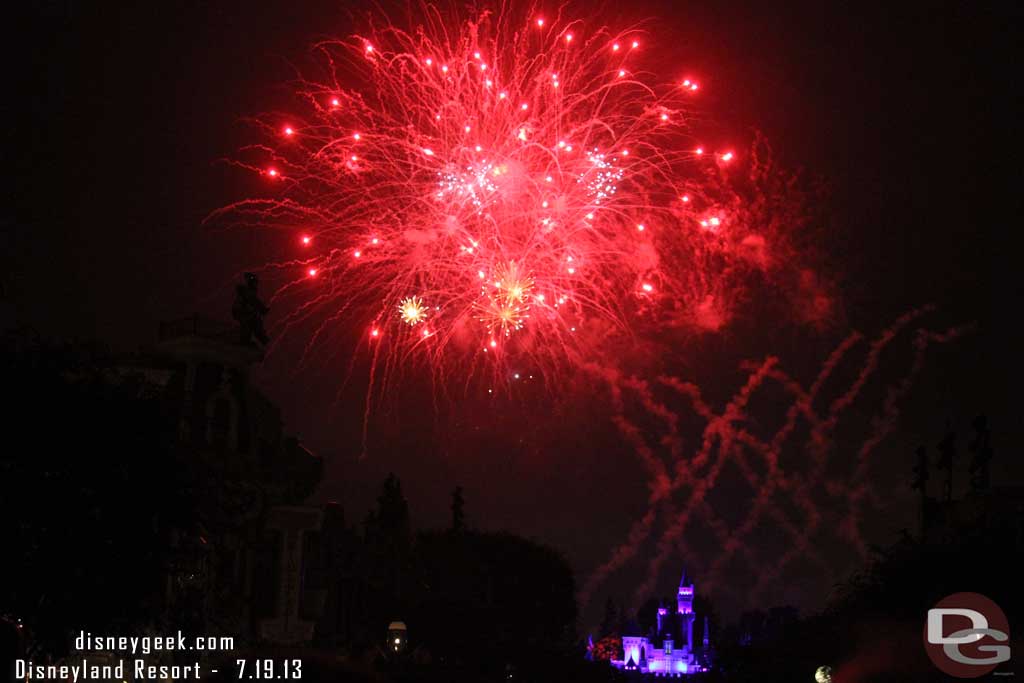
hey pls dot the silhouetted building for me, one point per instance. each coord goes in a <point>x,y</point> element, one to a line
<point>758,626</point>
<point>242,570</point>
<point>997,512</point>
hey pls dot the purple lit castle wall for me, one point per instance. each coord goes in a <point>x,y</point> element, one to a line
<point>669,651</point>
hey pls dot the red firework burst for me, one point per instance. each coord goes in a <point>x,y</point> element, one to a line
<point>508,185</point>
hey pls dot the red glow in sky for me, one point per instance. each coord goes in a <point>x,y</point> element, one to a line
<point>549,223</point>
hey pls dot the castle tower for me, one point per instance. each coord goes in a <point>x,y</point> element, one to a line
<point>684,597</point>
<point>684,606</point>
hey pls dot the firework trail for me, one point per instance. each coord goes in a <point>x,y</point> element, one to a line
<point>462,193</point>
<point>725,439</point>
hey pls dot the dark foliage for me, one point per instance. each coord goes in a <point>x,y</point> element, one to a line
<point>872,629</point>
<point>88,477</point>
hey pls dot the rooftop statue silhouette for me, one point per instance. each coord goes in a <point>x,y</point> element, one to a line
<point>249,310</point>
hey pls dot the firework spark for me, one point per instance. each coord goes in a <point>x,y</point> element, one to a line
<point>412,310</point>
<point>502,317</point>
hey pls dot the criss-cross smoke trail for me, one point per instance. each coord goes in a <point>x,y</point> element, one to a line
<point>679,482</point>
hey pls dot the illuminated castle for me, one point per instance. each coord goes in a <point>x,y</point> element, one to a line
<point>669,651</point>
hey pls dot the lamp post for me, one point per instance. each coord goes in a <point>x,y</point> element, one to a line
<point>398,637</point>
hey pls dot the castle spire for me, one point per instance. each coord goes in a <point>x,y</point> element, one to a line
<point>705,633</point>
<point>684,596</point>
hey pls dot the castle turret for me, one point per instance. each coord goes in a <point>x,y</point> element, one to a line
<point>684,597</point>
<point>684,604</point>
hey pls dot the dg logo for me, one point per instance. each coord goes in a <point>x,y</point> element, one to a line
<point>965,635</point>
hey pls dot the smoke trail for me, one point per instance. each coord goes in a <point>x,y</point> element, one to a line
<point>677,503</point>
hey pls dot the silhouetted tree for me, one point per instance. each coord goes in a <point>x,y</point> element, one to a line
<point>609,647</point>
<point>947,456</point>
<point>489,599</point>
<point>920,483</point>
<point>89,480</point>
<point>458,510</point>
<point>647,615</point>
<point>388,540</point>
<point>921,473</point>
<point>392,510</point>
<point>981,454</point>
<point>611,622</point>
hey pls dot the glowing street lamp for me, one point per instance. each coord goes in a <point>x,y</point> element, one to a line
<point>398,637</point>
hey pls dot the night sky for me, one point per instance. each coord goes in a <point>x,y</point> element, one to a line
<point>116,115</point>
